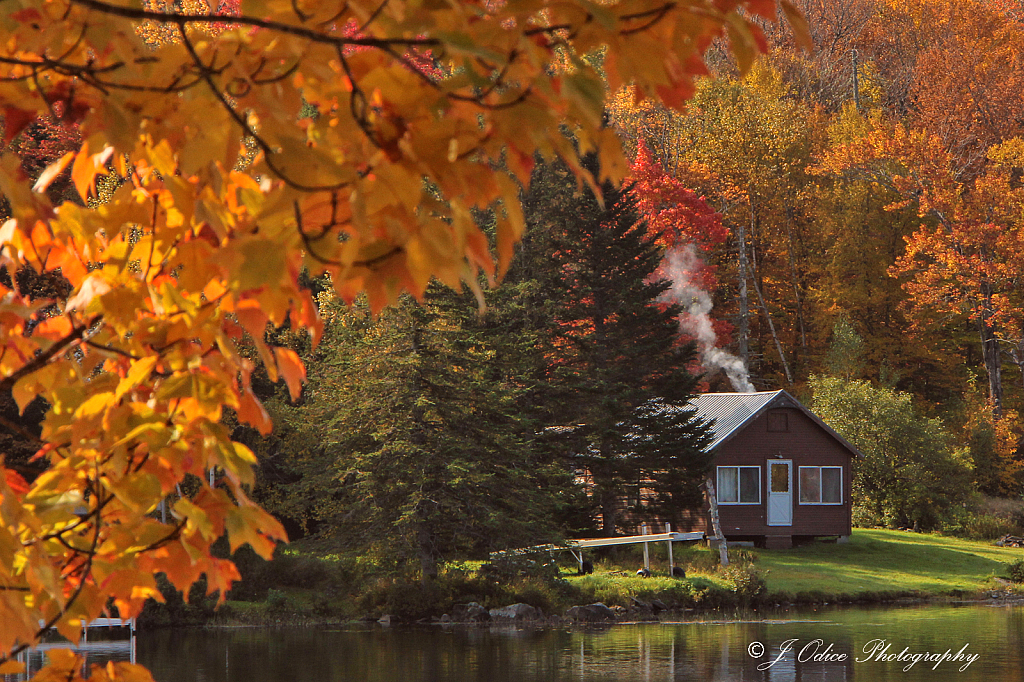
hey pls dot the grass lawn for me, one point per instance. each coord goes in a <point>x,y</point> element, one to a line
<point>873,565</point>
<point>887,560</point>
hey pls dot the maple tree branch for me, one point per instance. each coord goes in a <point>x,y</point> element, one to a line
<point>374,15</point>
<point>303,17</point>
<point>357,100</point>
<point>307,242</point>
<point>370,262</point>
<point>314,36</point>
<point>655,15</point>
<point>268,151</point>
<point>43,358</point>
<point>157,544</point>
<point>87,569</point>
<point>20,430</point>
<point>111,349</point>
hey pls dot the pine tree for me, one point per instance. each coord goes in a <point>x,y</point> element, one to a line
<point>615,370</point>
<point>409,446</point>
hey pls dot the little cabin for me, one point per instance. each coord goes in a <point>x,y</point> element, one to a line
<point>780,473</point>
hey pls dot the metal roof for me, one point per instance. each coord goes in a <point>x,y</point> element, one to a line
<point>729,412</point>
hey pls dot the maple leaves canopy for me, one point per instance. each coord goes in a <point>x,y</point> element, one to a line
<point>377,128</point>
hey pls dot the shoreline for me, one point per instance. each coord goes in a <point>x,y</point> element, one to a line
<point>297,619</point>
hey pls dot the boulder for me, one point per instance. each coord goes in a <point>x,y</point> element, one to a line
<point>385,619</point>
<point>658,605</point>
<point>516,612</point>
<point>590,613</point>
<point>470,613</point>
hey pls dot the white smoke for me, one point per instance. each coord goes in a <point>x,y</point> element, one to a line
<point>679,267</point>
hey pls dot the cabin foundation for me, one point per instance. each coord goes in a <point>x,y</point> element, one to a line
<point>778,542</point>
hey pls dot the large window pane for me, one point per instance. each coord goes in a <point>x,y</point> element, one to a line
<point>831,485</point>
<point>728,488</point>
<point>750,484</point>
<point>810,485</point>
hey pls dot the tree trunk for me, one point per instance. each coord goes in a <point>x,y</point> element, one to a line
<point>993,362</point>
<point>428,562</point>
<point>716,526</point>
<point>744,321</point>
<point>609,512</point>
<point>795,280</point>
<point>990,351</point>
<point>771,327</point>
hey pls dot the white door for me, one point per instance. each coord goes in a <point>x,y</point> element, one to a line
<point>780,492</point>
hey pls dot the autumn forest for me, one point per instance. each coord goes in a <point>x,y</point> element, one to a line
<point>413,282</point>
<point>872,195</point>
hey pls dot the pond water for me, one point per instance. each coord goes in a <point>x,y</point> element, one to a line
<point>970,642</point>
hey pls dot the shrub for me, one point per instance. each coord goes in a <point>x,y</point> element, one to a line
<point>748,583</point>
<point>1016,570</point>
<point>277,600</point>
<point>964,524</point>
<point>988,527</point>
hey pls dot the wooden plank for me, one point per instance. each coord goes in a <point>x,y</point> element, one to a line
<point>633,539</point>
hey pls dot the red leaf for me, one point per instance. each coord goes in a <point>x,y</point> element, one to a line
<point>16,120</point>
<point>15,482</point>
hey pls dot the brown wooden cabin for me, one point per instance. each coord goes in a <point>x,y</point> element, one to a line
<point>780,473</point>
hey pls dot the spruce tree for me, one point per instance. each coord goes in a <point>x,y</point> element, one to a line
<point>409,447</point>
<point>617,379</point>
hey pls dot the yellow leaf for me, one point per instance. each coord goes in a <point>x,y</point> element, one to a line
<point>95,285</point>
<point>255,527</point>
<point>139,372</point>
<point>196,517</point>
<point>94,405</point>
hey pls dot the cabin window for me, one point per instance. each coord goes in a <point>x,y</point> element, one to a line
<point>778,421</point>
<point>739,485</point>
<point>821,485</point>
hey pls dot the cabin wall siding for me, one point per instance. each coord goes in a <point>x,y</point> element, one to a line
<point>806,444</point>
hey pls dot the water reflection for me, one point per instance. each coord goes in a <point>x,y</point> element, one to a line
<point>96,651</point>
<point>705,649</point>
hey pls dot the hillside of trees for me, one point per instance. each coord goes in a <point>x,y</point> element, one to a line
<point>846,224</point>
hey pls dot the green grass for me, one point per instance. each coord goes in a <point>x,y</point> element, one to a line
<point>875,565</point>
<point>887,561</point>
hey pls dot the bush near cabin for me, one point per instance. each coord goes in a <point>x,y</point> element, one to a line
<point>911,475</point>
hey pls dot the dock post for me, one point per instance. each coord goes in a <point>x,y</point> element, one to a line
<point>671,563</point>
<point>647,556</point>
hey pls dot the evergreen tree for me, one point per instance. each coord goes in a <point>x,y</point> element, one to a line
<point>408,446</point>
<point>616,374</point>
